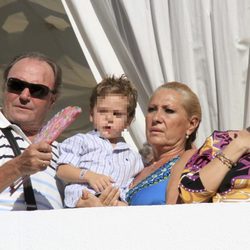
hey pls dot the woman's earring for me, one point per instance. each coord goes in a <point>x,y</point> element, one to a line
<point>187,136</point>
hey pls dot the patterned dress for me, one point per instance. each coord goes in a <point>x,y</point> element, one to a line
<point>235,187</point>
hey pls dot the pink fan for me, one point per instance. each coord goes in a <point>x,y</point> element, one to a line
<point>58,124</point>
<point>50,132</point>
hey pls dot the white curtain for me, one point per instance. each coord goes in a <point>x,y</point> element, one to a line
<point>204,44</point>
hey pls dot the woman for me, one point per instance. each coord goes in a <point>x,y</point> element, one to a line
<point>220,170</point>
<point>173,117</point>
<point>172,120</point>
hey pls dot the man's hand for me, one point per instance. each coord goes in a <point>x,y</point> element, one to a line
<point>34,158</point>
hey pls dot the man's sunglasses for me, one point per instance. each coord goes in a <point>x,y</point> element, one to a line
<point>40,91</point>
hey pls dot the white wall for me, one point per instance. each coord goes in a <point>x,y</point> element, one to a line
<point>197,226</point>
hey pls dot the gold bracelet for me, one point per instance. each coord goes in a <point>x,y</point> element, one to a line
<point>229,163</point>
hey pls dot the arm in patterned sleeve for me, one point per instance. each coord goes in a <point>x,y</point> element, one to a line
<point>71,149</point>
<point>206,175</point>
<point>191,188</point>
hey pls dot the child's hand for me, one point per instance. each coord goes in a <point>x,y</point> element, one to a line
<point>98,181</point>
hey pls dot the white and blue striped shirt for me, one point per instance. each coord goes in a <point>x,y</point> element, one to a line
<point>44,183</point>
<point>90,151</point>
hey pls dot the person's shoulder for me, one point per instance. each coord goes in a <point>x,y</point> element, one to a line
<point>122,144</point>
<point>78,136</point>
<point>134,151</point>
<point>92,133</point>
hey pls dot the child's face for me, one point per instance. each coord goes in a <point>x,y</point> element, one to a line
<point>110,116</point>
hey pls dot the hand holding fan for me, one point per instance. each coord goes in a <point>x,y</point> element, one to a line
<point>51,131</point>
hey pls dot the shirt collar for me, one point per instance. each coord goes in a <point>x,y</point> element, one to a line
<point>4,123</point>
<point>121,144</point>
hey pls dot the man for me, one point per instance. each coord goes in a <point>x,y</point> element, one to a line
<point>30,88</point>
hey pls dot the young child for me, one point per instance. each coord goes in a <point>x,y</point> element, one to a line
<point>101,157</point>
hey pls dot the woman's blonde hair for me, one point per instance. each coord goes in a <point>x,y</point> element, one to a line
<point>190,102</point>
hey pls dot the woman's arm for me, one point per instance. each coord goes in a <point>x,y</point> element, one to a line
<point>199,185</point>
<point>214,172</point>
<point>172,192</point>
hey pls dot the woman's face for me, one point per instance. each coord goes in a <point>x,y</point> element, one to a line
<point>167,121</point>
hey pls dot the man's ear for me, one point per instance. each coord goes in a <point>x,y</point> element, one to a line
<point>193,124</point>
<point>53,99</point>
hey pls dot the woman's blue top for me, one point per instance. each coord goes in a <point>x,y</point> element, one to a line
<point>152,190</point>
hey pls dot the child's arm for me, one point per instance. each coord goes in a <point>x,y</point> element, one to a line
<point>72,174</point>
<point>69,173</point>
